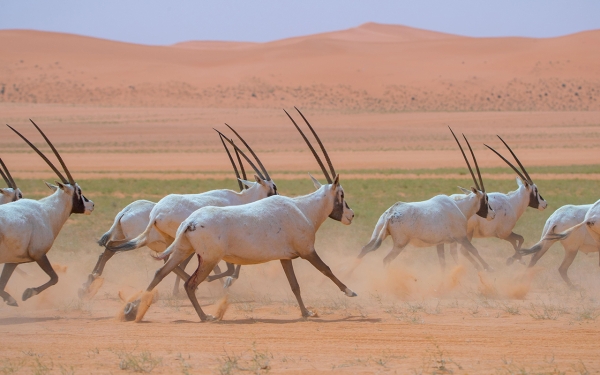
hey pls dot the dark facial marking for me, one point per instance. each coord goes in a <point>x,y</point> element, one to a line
<point>483,207</point>
<point>273,191</point>
<point>78,202</point>
<point>533,198</point>
<point>338,208</point>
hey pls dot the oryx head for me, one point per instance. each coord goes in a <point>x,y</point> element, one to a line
<point>535,198</point>
<point>485,210</point>
<point>263,181</point>
<point>12,193</point>
<point>341,211</point>
<point>80,204</point>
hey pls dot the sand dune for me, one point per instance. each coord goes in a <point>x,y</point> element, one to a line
<point>372,67</point>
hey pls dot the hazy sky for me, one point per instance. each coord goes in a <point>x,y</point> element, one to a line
<point>171,21</point>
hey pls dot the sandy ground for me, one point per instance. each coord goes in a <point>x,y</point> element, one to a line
<point>408,319</point>
<point>100,142</point>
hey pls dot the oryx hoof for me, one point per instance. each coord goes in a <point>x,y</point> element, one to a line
<point>228,281</point>
<point>309,314</point>
<point>28,293</point>
<point>130,310</point>
<point>11,301</point>
<point>209,318</point>
<point>350,293</point>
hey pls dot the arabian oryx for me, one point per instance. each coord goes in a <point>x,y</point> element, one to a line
<point>508,209</point>
<point>578,230</point>
<point>28,227</point>
<point>171,210</point>
<point>12,193</point>
<point>129,223</point>
<point>278,228</point>
<point>433,222</point>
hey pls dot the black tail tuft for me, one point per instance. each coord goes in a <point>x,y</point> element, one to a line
<point>121,246</point>
<point>104,239</point>
<point>537,247</point>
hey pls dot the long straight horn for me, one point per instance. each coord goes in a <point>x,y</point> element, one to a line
<point>517,159</point>
<point>62,178</point>
<point>327,177</point>
<point>475,161</point>
<point>260,164</point>
<point>333,174</point>
<point>237,154</point>
<point>12,183</point>
<point>4,177</point>
<point>507,162</point>
<point>466,160</point>
<point>242,153</point>
<point>237,175</point>
<point>60,160</point>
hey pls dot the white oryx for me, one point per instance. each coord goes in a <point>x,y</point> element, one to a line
<point>278,228</point>
<point>433,222</point>
<point>578,230</point>
<point>508,209</point>
<point>170,211</point>
<point>12,193</point>
<point>28,227</point>
<point>133,220</point>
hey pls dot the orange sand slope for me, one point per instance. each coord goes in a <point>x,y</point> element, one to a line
<point>371,67</point>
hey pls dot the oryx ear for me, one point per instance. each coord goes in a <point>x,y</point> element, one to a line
<point>466,191</point>
<point>247,183</point>
<point>259,180</point>
<point>316,182</point>
<point>336,181</point>
<point>474,190</point>
<point>61,186</point>
<point>5,191</point>
<point>520,182</point>
<point>50,186</point>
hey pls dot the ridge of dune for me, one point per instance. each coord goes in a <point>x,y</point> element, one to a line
<point>370,67</point>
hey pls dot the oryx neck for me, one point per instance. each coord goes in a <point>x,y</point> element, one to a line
<point>468,205</point>
<point>519,199</point>
<point>249,195</point>
<point>316,206</point>
<point>58,207</point>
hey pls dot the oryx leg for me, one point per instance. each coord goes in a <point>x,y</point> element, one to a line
<point>7,272</point>
<point>201,273</point>
<point>441,256</point>
<point>566,263</point>
<point>45,265</point>
<point>396,250</point>
<point>454,251</point>
<point>178,279</point>
<point>469,246</point>
<point>316,261</point>
<point>288,268</point>
<point>232,278</point>
<point>97,271</point>
<point>467,255</point>
<point>218,275</point>
<point>516,240</point>
<point>545,246</point>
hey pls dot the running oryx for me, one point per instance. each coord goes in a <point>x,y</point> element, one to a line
<point>12,193</point>
<point>576,227</point>
<point>28,227</point>
<point>434,222</point>
<point>508,209</point>
<point>278,228</point>
<point>133,220</point>
<point>171,210</point>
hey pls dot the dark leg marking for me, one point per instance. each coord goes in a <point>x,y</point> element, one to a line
<point>7,272</point>
<point>45,265</point>
<point>192,283</point>
<point>316,261</point>
<point>288,268</point>
<point>178,279</point>
<point>469,246</point>
<point>441,256</point>
<point>516,240</point>
<point>98,269</point>
<point>566,263</point>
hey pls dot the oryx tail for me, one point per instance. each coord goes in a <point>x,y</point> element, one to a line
<point>550,238</point>
<point>379,234</point>
<point>108,235</point>
<point>139,241</point>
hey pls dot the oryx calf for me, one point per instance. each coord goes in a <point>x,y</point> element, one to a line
<point>28,227</point>
<point>433,222</point>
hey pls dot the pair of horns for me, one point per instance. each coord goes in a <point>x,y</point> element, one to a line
<point>264,175</point>
<point>237,154</point>
<point>7,177</point>
<point>478,186</point>
<point>331,169</point>
<point>524,178</point>
<point>70,179</point>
